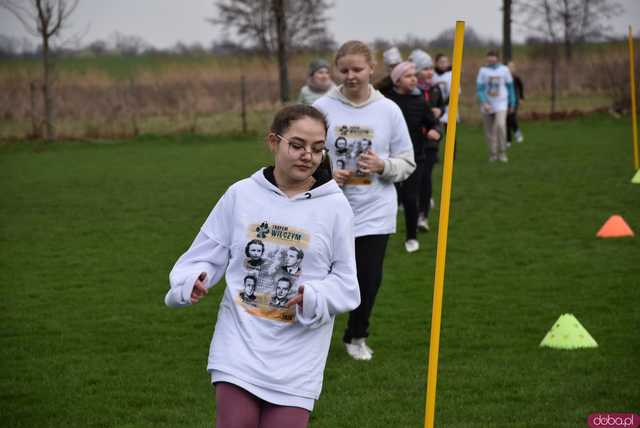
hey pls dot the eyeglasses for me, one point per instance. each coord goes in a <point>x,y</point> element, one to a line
<point>298,149</point>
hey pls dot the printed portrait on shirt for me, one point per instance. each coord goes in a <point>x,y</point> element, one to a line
<point>351,142</point>
<point>274,256</point>
<point>292,260</point>
<point>248,295</point>
<point>254,250</point>
<point>280,295</point>
<point>493,88</point>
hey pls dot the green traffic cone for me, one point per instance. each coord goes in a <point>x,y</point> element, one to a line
<point>568,333</point>
<point>636,178</point>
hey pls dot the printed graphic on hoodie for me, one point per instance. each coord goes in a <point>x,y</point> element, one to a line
<point>350,143</point>
<point>273,264</point>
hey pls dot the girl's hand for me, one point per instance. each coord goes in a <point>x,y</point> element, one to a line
<point>433,134</point>
<point>199,289</point>
<point>297,299</point>
<point>342,176</point>
<point>369,162</point>
<point>436,112</point>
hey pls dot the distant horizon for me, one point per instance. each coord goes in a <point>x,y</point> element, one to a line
<point>171,23</point>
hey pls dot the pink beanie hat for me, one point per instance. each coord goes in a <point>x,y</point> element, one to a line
<point>400,69</point>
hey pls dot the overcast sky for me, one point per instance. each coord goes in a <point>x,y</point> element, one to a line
<point>165,22</point>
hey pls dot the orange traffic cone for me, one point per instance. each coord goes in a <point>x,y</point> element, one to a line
<point>615,227</point>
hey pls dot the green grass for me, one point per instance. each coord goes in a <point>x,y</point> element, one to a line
<point>89,231</point>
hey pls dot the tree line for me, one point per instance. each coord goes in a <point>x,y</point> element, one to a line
<point>276,28</point>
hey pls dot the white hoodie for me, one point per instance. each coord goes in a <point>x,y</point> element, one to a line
<point>353,128</point>
<point>256,231</point>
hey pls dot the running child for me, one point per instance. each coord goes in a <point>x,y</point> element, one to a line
<point>435,100</point>
<point>513,129</point>
<point>369,139</point>
<point>274,326</point>
<point>497,97</point>
<point>425,134</point>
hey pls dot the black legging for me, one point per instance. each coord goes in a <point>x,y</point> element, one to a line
<point>370,251</point>
<point>512,124</point>
<point>409,193</point>
<point>426,188</point>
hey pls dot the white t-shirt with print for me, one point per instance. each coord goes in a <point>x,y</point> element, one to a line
<point>495,82</point>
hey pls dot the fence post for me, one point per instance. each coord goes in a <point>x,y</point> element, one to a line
<point>35,125</point>
<point>243,102</point>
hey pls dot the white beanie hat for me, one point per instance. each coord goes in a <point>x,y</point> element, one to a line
<point>421,59</point>
<point>392,56</point>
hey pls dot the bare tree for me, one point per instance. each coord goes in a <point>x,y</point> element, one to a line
<point>568,21</point>
<point>128,45</point>
<point>253,22</point>
<point>445,39</point>
<point>279,13</point>
<point>506,30</point>
<point>276,26</point>
<point>44,19</point>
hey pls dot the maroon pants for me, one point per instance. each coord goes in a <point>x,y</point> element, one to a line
<point>238,408</point>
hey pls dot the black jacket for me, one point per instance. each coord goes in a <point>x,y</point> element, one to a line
<point>519,87</point>
<point>419,120</point>
<point>434,98</point>
<point>383,85</point>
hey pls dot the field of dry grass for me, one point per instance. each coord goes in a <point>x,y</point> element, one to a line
<point>124,96</point>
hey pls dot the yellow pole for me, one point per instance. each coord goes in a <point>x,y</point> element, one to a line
<point>632,89</point>
<point>443,228</point>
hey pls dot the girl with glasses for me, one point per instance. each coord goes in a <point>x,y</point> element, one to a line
<point>268,351</point>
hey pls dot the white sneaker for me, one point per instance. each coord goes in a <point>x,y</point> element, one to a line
<point>412,245</point>
<point>357,350</point>
<point>503,158</point>
<point>423,223</point>
<point>493,158</point>
<point>519,136</point>
<point>362,343</point>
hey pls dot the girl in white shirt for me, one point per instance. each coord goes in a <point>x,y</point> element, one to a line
<point>370,144</point>
<point>289,267</point>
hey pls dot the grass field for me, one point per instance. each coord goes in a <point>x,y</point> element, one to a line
<point>89,231</point>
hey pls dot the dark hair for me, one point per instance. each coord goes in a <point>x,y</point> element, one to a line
<point>438,56</point>
<point>288,114</point>
<point>284,278</point>
<point>255,280</point>
<point>250,243</point>
<point>299,253</point>
<point>492,53</point>
<point>335,143</point>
